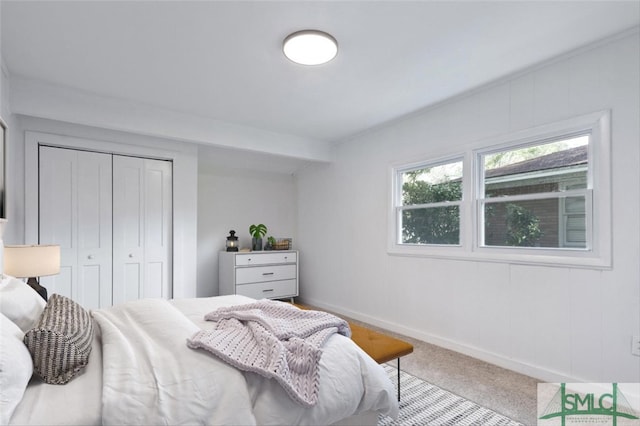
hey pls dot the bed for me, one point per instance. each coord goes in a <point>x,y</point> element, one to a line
<point>141,371</point>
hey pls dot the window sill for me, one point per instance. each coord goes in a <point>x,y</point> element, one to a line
<point>535,257</point>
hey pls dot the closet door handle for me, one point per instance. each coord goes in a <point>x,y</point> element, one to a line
<point>130,255</point>
<point>90,257</point>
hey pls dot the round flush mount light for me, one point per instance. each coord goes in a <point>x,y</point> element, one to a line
<point>310,47</point>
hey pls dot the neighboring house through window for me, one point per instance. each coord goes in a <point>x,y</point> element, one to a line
<point>525,195</point>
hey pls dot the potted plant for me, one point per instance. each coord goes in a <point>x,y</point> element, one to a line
<point>257,232</point>
<point>271,242</point>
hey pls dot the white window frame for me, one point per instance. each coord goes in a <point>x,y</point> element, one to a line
<point>395,226</point>
<point>597,255</point>
<point>481,199</point>
<point>399,207</point>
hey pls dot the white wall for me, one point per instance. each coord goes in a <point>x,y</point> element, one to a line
<point>550,322</point>
<point>60,103</point>
<point>234,199</point>
<point>213,199</point>
<point>22,158</point>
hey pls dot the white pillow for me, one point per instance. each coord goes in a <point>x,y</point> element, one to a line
<point>20,303</point>
<point>16,368</point>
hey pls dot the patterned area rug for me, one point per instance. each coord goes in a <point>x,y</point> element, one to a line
<point>422,403</point>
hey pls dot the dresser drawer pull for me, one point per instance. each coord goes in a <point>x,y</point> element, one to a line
<point>267,290</point>
<point>267,273</point>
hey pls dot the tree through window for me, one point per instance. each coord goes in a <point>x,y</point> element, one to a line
<point>429,210</point>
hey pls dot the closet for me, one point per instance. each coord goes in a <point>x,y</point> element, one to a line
<point>112,217</point>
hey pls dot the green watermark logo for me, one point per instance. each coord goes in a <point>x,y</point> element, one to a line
<point>589,404</point>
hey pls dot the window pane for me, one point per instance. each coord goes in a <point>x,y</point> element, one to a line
<point>544,168</point>
<point>432,184</point>
<point>549,223</point>
<point>435,225</point>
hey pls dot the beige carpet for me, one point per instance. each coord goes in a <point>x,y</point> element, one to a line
<point>509,393</point>
<point>504,391</point>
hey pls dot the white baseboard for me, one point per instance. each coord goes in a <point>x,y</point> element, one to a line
<point>521,367</point>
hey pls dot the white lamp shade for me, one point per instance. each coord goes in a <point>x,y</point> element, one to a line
<point>31,261</point>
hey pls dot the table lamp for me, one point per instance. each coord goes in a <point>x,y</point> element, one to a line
<point>31,262</point>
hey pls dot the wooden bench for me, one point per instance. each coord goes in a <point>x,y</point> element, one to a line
<point>379,346</point>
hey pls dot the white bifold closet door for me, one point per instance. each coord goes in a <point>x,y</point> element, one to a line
<point>75,212</point>
<point>112,217</point>
<point>142,200</point>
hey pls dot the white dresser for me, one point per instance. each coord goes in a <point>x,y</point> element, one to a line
<point>259,274</point>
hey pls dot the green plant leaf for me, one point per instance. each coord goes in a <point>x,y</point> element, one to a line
<point>258,231</point>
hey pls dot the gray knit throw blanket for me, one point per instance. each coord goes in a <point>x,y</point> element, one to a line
<point>274,339</point>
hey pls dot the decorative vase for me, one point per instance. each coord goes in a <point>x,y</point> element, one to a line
<point>256,244</point>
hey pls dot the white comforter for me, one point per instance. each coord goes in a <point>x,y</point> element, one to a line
<point>150,376</point>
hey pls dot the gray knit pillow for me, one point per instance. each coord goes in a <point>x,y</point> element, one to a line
<point>60,343</point>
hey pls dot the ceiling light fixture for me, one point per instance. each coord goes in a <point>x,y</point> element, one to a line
<point>310,47</point>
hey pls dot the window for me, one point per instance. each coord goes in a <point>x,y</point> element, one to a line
<point>540,196</point>
<point>428,203</point>
<point>536,195</point>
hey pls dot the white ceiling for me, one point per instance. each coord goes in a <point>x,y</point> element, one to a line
<point>223,60</point>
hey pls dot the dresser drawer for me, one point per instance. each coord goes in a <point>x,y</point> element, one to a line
<point>271,290</point>
<point>265,273</point>
<point>263,258</point>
